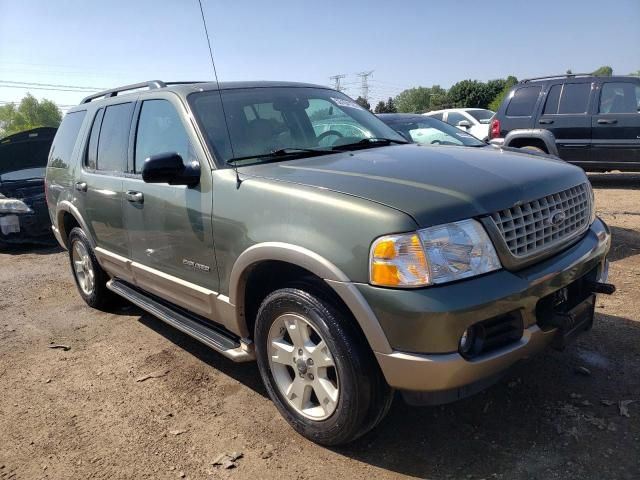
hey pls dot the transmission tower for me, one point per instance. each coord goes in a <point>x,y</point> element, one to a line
<point>364,76</point>
<point>336,79</point>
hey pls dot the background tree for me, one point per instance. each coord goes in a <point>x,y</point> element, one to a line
<point>497,100</point>
<point>363,103</point>
<point>413,100</point>
<point>381,107</point>
<point>29,114</point>
<point>470,94</point>
<point>391,106</point>
<point>604,71</point>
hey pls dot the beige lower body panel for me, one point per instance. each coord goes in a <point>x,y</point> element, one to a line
<point>195,298</point>
<point>432,373</point>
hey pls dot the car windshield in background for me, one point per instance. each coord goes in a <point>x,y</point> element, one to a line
<point>483,116</point>
<point>24,175</point>
<point>287,121</point>
<point>429,131</point>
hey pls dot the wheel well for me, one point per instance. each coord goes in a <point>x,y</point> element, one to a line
<point>269,276</point>
<point>68,223</point>
<point>529,142</point>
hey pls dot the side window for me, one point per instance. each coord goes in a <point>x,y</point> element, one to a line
<point>437,115</point>
<point>553,99</point>
<point>92,149</point>
<point>523,101</point>
<point>453,118</point>
<point>619,97</point>
<point>574,98</point>
<point>65,139</point>
<point>114,138</point>
<point>160,130</point>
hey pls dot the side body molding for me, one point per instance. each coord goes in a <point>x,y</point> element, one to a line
<point>317,265</point>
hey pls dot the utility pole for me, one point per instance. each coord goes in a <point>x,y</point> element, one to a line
<point>336,79</point>
<point>364,76</point>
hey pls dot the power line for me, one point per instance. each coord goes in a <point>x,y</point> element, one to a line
<point>364,76</point>
<point>53,85</point>
<point>45,88</point>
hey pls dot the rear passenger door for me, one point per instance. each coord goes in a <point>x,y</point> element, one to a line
<point>99,186</point>
<point>566,114</point>
<point>616,124</point>
<point>170,226</point>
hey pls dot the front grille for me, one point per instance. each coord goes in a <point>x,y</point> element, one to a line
<point>535,226</point>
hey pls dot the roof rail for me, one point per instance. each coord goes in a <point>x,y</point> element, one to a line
<point>562,75</point>
<point>115,91</point>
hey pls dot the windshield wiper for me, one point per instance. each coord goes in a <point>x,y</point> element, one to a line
<point>369,142</point>
<point>282,153</point>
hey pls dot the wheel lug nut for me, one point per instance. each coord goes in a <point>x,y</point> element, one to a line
<point>310,361</point>
<point>310,376</point>
<point>300,351</point>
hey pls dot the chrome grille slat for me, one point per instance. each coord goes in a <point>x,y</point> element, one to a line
<point>527,229</point>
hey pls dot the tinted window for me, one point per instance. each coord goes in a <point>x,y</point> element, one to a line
<point>429,131</point>
<point>483,116</point>
<point>66,139</point>
<point>438,116</point>
<point>454,117</point>
<point>620,97</point>
<point>523,101</point>
<point>92,149</point>
<point>553,99</point>
<point>160,130</point>
<point>574,98</point>
<point>114,138</point>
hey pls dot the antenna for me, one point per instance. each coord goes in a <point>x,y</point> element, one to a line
<point>215,74</point>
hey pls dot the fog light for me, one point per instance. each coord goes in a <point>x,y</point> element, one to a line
<point>471,341</point>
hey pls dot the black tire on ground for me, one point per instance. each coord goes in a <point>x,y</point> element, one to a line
<point>364,397</point>
<point>101,296</point>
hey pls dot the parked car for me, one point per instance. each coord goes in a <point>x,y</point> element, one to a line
<point>24,217</point>
<point>428,130</point>
<point>346,270</point>
<point>590,121</point>
<point>471,120</point>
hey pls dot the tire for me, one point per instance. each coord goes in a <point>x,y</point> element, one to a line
<point>532,148</point>
<point>337,403</point>
<point>95,294</point>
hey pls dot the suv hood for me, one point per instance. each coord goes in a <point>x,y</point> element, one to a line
<point>433,185</point>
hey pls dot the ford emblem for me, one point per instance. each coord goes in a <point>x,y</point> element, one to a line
<point>556,217</point>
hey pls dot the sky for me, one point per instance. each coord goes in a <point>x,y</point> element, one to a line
<point>103,44</point>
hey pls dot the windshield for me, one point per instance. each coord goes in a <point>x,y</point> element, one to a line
<point>483,116</point>
<point>26,174</point>
<point>430,131</point>
<point>271,119</point>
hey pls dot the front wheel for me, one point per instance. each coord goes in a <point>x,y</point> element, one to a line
<point>316,368</point>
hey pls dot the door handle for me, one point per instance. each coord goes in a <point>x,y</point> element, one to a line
<point>604,121</point>
<point>81,186</point>
<point>134,197</point>
<point>545,122</point>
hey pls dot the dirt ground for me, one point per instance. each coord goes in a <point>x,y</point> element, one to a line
<point>82,413</point>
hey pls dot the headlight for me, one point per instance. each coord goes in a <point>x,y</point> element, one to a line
<point>439,254</point>
<point>11,205</point>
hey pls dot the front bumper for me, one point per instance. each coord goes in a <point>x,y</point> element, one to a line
<point>33,227</point>
<point>424,326</point>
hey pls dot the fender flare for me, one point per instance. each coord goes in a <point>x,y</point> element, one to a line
<point>541,134</point>
<point>319,266</point>
<point>66,206</point>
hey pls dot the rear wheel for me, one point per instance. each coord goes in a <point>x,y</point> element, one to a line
<point>316,369</point>
<point>533,148</point>
<point>90,279</point>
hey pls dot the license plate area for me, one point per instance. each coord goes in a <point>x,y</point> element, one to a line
<point>9,224</point>
<point>570,310</point>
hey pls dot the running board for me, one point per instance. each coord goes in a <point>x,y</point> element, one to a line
<point>225,343</point>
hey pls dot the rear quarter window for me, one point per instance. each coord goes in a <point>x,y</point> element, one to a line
<point>523,101</point>
<point>66,139</point>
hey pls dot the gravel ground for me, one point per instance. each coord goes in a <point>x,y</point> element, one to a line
<point>83,413</point>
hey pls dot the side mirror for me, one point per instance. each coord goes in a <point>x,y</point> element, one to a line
<point>464,124</point>
<point>169,168</point>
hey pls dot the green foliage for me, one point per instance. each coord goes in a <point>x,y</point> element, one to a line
<point>363,103</point>
<point>497,100</point>
<point>29,114</point>
<point>386,107</point>
<point>470,94</point>
<point>604,71</point>
<point>421,99</point>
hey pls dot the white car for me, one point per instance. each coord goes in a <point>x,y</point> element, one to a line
<point>471,120</point>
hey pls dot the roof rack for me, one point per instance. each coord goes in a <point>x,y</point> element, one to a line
<point>151,84</point>
<point>562,75</point>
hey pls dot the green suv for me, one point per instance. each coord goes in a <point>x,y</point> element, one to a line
<point>346,262</point>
